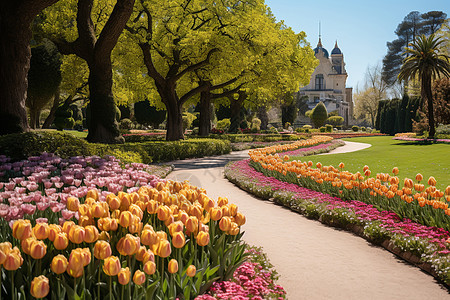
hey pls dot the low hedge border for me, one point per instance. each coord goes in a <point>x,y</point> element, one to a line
<point>23,145</point>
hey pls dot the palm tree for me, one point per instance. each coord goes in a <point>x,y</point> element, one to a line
<point>425,60</point>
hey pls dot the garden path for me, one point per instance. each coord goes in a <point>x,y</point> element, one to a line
<point>314,261</point>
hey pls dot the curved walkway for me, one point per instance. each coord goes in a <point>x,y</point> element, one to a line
<point>314,261</point>
<point>348,147</point>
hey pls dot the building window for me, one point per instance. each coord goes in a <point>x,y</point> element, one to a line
<point>320,85</point>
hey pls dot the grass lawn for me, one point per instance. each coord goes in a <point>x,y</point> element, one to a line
<point>386,153</point>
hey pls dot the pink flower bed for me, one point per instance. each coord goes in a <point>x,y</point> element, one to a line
<point>411,139</point>
<point>45,182</point>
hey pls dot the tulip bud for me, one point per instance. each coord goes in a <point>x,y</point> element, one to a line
<point>233,209</point>
<point>191,270</point>
<point>2,257</point>
<point>125,218</point>
<point>124,276</point>
<point>152,207</point>
<point>26,245</point>
<point>234,230</point>
<point>240,219</point>
<point>419,177</point>
<point>164,249</point>
<point>139,277</point>
<point>92,194</point>
<point>178,240</point>
<point>13,260</point>
<point>113,202</point>
<point>61,241</point>
<point>432,181</point>
<point>216,214</point>
<point>149,268</point>
<point>75,267</point>
<point>53,229</point>
<point>136,211</point>
<point>104,236</point>
<point>41,231</point>
<point>91,234</point>
<point>225,224</point>
<point>40,287</point>
<point>148,256</point>
<point>141,253</point>
<point>22,229</point>
<point>67,225</point>
<point>128,245</point>
<point>76,234</point>
<point>38,249</point>
<point>125,200</point>
<point>148,237</point>
<point>395,170</point>
<point>102,250</point>
<point>163,212</point>
<point>192,224</point>
<point>97,210</point>
<point>73,204</point>
<point>173,266</point>
<point>111,266</point>
<point>222,201</point>
<point>59,264</point>
<point>203,238</point>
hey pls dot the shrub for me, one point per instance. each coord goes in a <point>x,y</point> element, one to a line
<point>335,120</point>
<point>146,114</point>
<point>363,128</point>
<point>188,118</point>
<point>126,124</point>
<point>223,124</point>
<point>319,115</point>
<point>63,118</point>
<point>244,124</point>
<point>329,128</point>
<point>322,129</point>
<point>256,124</point>
<point>355,128</point>
<point>272,130</point>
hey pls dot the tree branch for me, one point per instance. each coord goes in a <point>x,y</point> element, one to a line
<point>148,61</point>
<point>197,65</point>
<point>193,92</point>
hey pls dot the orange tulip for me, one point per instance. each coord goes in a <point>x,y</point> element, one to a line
<point>76,234</point>
<point>164,249</point>
<point>26,245</point>
<point>92,194</point>
<point>149,268</point>
<point>225,224</point>
<point>61,241</point>
<point>395,170</point>
<point>203,238</point>
<point>173,266</point>
<point>178,240</point>
<point>75,267</point>
<point>419,177</point>
<point>240,219</point>
<point>128,245</point>
<point>91,234</point>
<point>38,249</point>
<point>97,210</point>
<point>59,264</point>
<point>111,266</point>
<point>73,204</point>
<point>53,229</point>
<point>125,218</point>
<point>102,250</point>
<point>41,231</point>
<point>191,270</point>
<point>124,276</point>
<point>67,225</point>
<point>431,181</point>
<point>113,202</point>
<point>216,214</point>
<point>13,260</point>
<point>139,277</point>
<point>40,287</point>
<point>22,229</point>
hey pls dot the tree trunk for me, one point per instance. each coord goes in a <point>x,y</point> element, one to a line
<point>51,117</point>
<point>205,113</point>
<point>103,127</point>
<point>428,96</point>
<point>262,115</point>
<point>15,54</point>
<point>174,125</point>
<point>15,57</point>
<point>34,117</point>
<point>235,107</point>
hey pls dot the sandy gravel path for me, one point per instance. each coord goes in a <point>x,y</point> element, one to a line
<point>314,261</point>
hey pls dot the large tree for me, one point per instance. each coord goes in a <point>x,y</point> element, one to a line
<point>425,60</point>
<point>94,41</point>
<point>412,25</point>
<point>15,35</point>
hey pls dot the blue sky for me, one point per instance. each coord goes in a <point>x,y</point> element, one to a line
<point>361,28</point>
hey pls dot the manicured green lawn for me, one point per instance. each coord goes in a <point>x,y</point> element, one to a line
<point>78,134</point>
<point>386,153</point>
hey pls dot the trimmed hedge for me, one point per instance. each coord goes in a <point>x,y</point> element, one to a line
<point>241,138</point>
<point>23,145</point>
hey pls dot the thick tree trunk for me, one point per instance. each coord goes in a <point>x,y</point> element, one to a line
<point>205,113</point>
<point>174,125</point>
<point>15,57</point>
<point>34,117</point>
<point>103,127</point>
<point>15,53</point>
<point>262,115</point>
<point>235,107</point>
<point>428,96</point>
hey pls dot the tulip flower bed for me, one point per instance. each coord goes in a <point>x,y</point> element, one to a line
<point>341,135</point>
<point>413,200</point>
<point>424,246</point>
<point>88,229</point>
<point>418,140</point>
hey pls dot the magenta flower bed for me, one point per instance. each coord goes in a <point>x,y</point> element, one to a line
<point>410,139</point>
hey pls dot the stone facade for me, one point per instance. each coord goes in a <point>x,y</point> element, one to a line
<point>328,82</point>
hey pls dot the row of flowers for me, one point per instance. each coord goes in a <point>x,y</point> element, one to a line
<point>341,135</point>
<point>409,198</point>
<point>88,228</point>
<point>430,245</point>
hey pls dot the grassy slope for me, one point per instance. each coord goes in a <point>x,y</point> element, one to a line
<point>385,153</point>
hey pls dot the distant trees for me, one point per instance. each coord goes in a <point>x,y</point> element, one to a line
<point>411,27</point>
<point>425,61</point>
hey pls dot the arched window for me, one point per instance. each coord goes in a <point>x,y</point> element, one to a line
<point>320,84</point>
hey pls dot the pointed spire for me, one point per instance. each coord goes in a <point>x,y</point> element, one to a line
<point>336,45</point>
<point>319,44</point>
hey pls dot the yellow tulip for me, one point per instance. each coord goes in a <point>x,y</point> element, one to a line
<point>40,287</point>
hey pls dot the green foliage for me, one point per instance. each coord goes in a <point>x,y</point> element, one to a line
<point>188,119</point>
<point>256,124</point>
<point>126,124</point>
<point>329,128</point>
<point>333,113</point>
<point>319,115</point>
<point>63,117</point>
<point>355,128</point>
<point>147,114</point>
<point>397,115</point>
<point>322,129</point>
<point>335,120</point>
<point>223,124</point>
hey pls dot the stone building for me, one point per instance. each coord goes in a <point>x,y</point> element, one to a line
<point>328,83</point>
